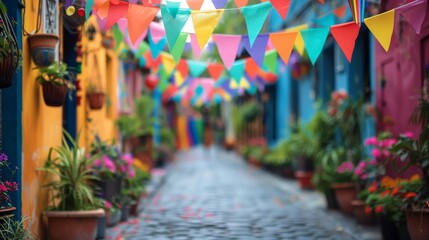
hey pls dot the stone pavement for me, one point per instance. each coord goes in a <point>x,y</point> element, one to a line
<point>213,194</point>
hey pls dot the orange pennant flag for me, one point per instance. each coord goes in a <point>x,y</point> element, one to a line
<point>283,42</point>
<point>322,1</point>
<point>150,62</point>
<point>340,11</point>
<point>115,12</point>
<point>346,34</point>
<point>252,68</point>
<point>241,3</point>
<point>139,18</point>
<point>195,4</point>
<point>182,67</point>
<point>103,10</point>
<point>215,70</point>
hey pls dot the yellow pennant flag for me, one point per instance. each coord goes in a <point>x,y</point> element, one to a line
<point>244,84</point>
<point>381,26</point>
<point>299,41</point>
<point>233,84</point>
<point>178,79</point>
<point>205,23</point>
<point>168,62</point>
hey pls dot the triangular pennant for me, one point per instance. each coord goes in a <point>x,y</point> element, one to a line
<point>227,47</point>
<point>102,8</point>
<point>237,70</point>
<point>314,40</point>
<point>255,16</point>
<point>173,26</point>
<point>195,4</point>
<point>340,12</point>
<point>139,17</point>
<point>299,42</point>
<point>116,11</point>
<point>88,7</point>
<point>219,3</point>
<point>196,68</point>
<point>415,13</point>
<point>283,42</point>
<point>117,35</point>
<point>167,63</point>
<point>322,1</point>
<point>157,31</point>
<point>156,48</point>
<point>143,47</point>
<point>179,46</point>
<point>182,67</point>
<point>173,7</point>
<point>282,7</point>
<point>346,34</point>
<point>178,78</point>
<point>381,26</point>
<point>270,61</point>
<point>326,21</point>
<point>257,51</point>
<point>252,68</point>
<point>204,24</point>
<point>244,83</point>
<point>150,62</point>
<point>194,45</point>
<point>215,70</point>
<point>240,3</point>
<point>123,24</point>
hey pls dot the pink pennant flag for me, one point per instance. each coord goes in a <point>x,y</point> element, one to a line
<point>157,31</point>
<point>115,12</point>
<point>194,44</point>
<point>227,46</point>
<point>123,25</point>
<point>415,13</point>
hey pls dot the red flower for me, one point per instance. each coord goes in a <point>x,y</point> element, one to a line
<point>385,193</point>
<point>379,209</point>
<point>372,188</point>
<point>410,195</point>
<point>368,210</point>
<point>396,190</point>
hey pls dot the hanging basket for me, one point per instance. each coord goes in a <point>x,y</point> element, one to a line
<point>54,95</point>
<point>95,100</point>
<point>9,51</point>
<point>42,49</point>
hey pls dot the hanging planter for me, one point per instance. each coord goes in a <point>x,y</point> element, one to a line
<point>42,48</point>
<point>54,95</point>
<point>9,51</point>
<point>95,96</point>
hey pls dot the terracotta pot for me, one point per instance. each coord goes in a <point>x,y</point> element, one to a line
<point>95,100</point>
<point>54,95</point>
<point>255,162</point>
<point>304,179</point>
<point>361,216</point>
<point>345,193</point>
<point>42,48</point>
<point>418,223</point>
<point>72,225</point>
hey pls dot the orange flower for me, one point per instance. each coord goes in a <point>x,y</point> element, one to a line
<point>410,195</point>
<point>385,193</point>
<point>372,188</point>
<point>368,210</point>
<point>415,177</point>
<point>396,190</point>
<point>379,209</point>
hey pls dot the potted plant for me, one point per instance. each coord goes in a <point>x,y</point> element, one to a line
<point>12,229</point>
<point>42,48</point>
<point>6,188</point>
<point>56,83</point>
<point>279,158</point>
<point>113,214</point>
<point>256,154</point>
<point>96,97</point>
<point>74,209</point>
<point>10,54</point>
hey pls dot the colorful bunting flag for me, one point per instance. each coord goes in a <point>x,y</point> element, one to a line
<point>179,46</point>
<point>139,17</point>
<point>215,70</point>
<point>314,40</point>
<point>182,67</point>
<point>156,48</point>
<point>257,51</point>
<point>227,46</point>
<point>194,45</point>
<point>219,3</point>
<point>326,21</point>
<point>282,7</point>
<point>283,42</point>
<point>157,31</point>
<point>381,26</point>
<point>196,68</point>
<point>357,7</point>
<point>195,4</point>
<point>346,34</point>
<point>88,7</point>
<point>204,24</point>
<point>414,13</point>
<point>240,3</point>
<point>252,68</point>
<point>167,63</point>
<point>299,42</point>
<point>270,61</point>
<point>173,25</point>
<point>237,70</point>
<point>173,7</point>
<point>255,16</point>
<point>115,12</point>
<point>340,12</point>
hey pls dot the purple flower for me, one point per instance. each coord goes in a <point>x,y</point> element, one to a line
<point>3,157</point>
<point>371,141</point>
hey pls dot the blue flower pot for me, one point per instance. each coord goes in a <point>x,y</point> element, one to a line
<point>42,49</point>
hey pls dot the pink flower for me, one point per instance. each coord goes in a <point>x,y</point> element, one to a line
<point>376,153</point>
<point>131,173</point>
<point>371,141</point>
<point>107,205</point>
<point>128,158</point>
<point>386,153</point>
<point>345,166</point>
<point>97,162</point>
<point>364,176</point>
<point>109,164</point>
<point>387,143</point>
<point>122,168</point>
<point>408,134</point>
<point>12,186</point>
<point>373,162</point>
<point>3,188</point>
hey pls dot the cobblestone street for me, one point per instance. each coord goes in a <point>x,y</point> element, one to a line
<point>212,194</point>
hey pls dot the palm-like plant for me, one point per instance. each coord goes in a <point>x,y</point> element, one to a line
<point>12,229</point>
<point>72,189</point>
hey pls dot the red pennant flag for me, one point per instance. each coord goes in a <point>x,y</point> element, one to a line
<point>115,12</point>
<point>345,34</point>
<point>340,11</point>
<point>322,1</point>
<point>171,90</point>
<point>284,42</point>
<point>139,18</point>
<point>195,4</point>
<point>182,67</point>
<point>150,62</point>
<point>282,7</point>
<point>252,68</point>
<point>241,3</point>
<point>215,70</point>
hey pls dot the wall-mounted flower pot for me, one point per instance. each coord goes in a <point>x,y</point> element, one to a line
<point>72,225</point>
<point>360,215</point>
<point>345,194</point>
<point>304,179</point>
<point>96,100</point>
<point>42,48</point>
<point>418,224</point>
<point>54,95</point>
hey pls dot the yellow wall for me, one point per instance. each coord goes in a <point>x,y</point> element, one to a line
<point>42,125</point>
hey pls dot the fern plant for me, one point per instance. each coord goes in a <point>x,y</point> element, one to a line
<point>12,229</point>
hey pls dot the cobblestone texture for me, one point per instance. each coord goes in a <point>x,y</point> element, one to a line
<point>214,195</point>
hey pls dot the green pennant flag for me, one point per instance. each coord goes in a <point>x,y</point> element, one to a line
<point>270,61</point>
<point>314,40</point>
<point>237,70</point>
<point>178,48</point>
<point>255,16</point>
<point>173,25</point>
<point>117,35</point>
<point>143,47</point>
<point>196,68</point>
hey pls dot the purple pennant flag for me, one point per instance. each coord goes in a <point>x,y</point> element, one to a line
<point>240,47</point>
<point>187,47</point>
<point>219,3</point>
<point>257,51</point>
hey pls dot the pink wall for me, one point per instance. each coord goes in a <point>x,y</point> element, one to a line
<point>402,68</point>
